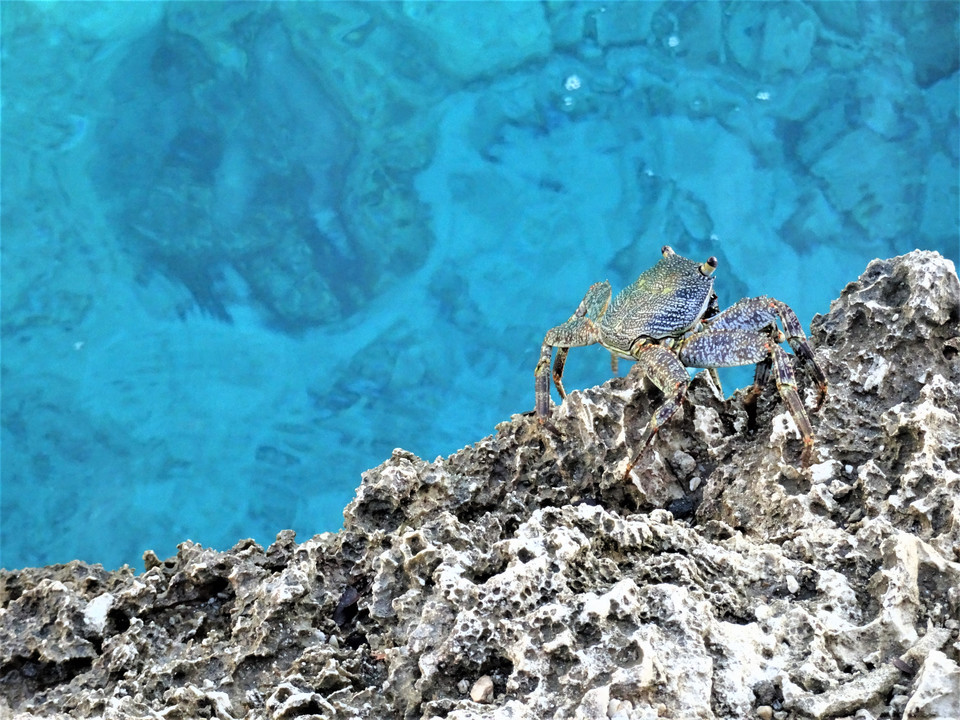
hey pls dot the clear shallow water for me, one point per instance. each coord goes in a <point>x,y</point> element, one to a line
<point>248,250</point>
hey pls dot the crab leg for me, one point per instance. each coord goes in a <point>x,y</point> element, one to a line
<point>574,332</point>
<point>731,347</point>
<point>542,383</point>
<point>579,330</point>
<point>558,370</point>
<point>762,313</point>
<point>761,377</point>
<point>668,374</point>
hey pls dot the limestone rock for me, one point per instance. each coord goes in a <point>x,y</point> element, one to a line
<point>864,190</point>
<point>770,41</point>
<point>472,43</point>
<point>523,578</point>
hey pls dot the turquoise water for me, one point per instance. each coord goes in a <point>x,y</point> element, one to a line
<point>249,249</point>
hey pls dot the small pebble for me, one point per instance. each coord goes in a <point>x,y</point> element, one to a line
<point>683,463</point>
<point>482,690</point>
<point>765,712</point>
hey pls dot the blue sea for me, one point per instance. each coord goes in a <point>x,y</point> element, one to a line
<point>248,249</point>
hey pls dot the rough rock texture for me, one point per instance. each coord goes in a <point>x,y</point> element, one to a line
<point>522,578</point>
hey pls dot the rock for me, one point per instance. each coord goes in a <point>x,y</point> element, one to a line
<point>490,46</point>
<point>876,192</point>
<point>931,40</point>
<point>768,41</point>
<point>771,590</point>
<point>841,16</point>
<point>936,691</point>
<point>940,216</point>
<point>620,23</point>
<point>482,690</point>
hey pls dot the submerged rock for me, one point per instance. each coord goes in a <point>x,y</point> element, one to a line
<point>523,578</point>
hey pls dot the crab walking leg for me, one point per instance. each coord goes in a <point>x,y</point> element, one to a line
<point>558,370</point>
<point>666,372</point>
<point>801,348</point>
<point>761,377</point>
<point>787,385</point>
<point>579,330</point>
<point>575,332</point>
<point>763,312</point>
<point>542,384</point>
<point>728,348</point>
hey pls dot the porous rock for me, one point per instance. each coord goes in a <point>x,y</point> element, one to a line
<point>767,590</point>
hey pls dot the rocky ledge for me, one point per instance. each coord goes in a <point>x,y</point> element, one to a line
<point>523,578</point>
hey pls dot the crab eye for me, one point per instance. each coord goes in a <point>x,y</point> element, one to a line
<point>709,266</point>
<point>666,251</point>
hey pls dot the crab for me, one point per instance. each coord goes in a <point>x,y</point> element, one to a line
<point>669,320</point>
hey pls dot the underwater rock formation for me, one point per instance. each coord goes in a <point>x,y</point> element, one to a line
<point>522,578</point>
